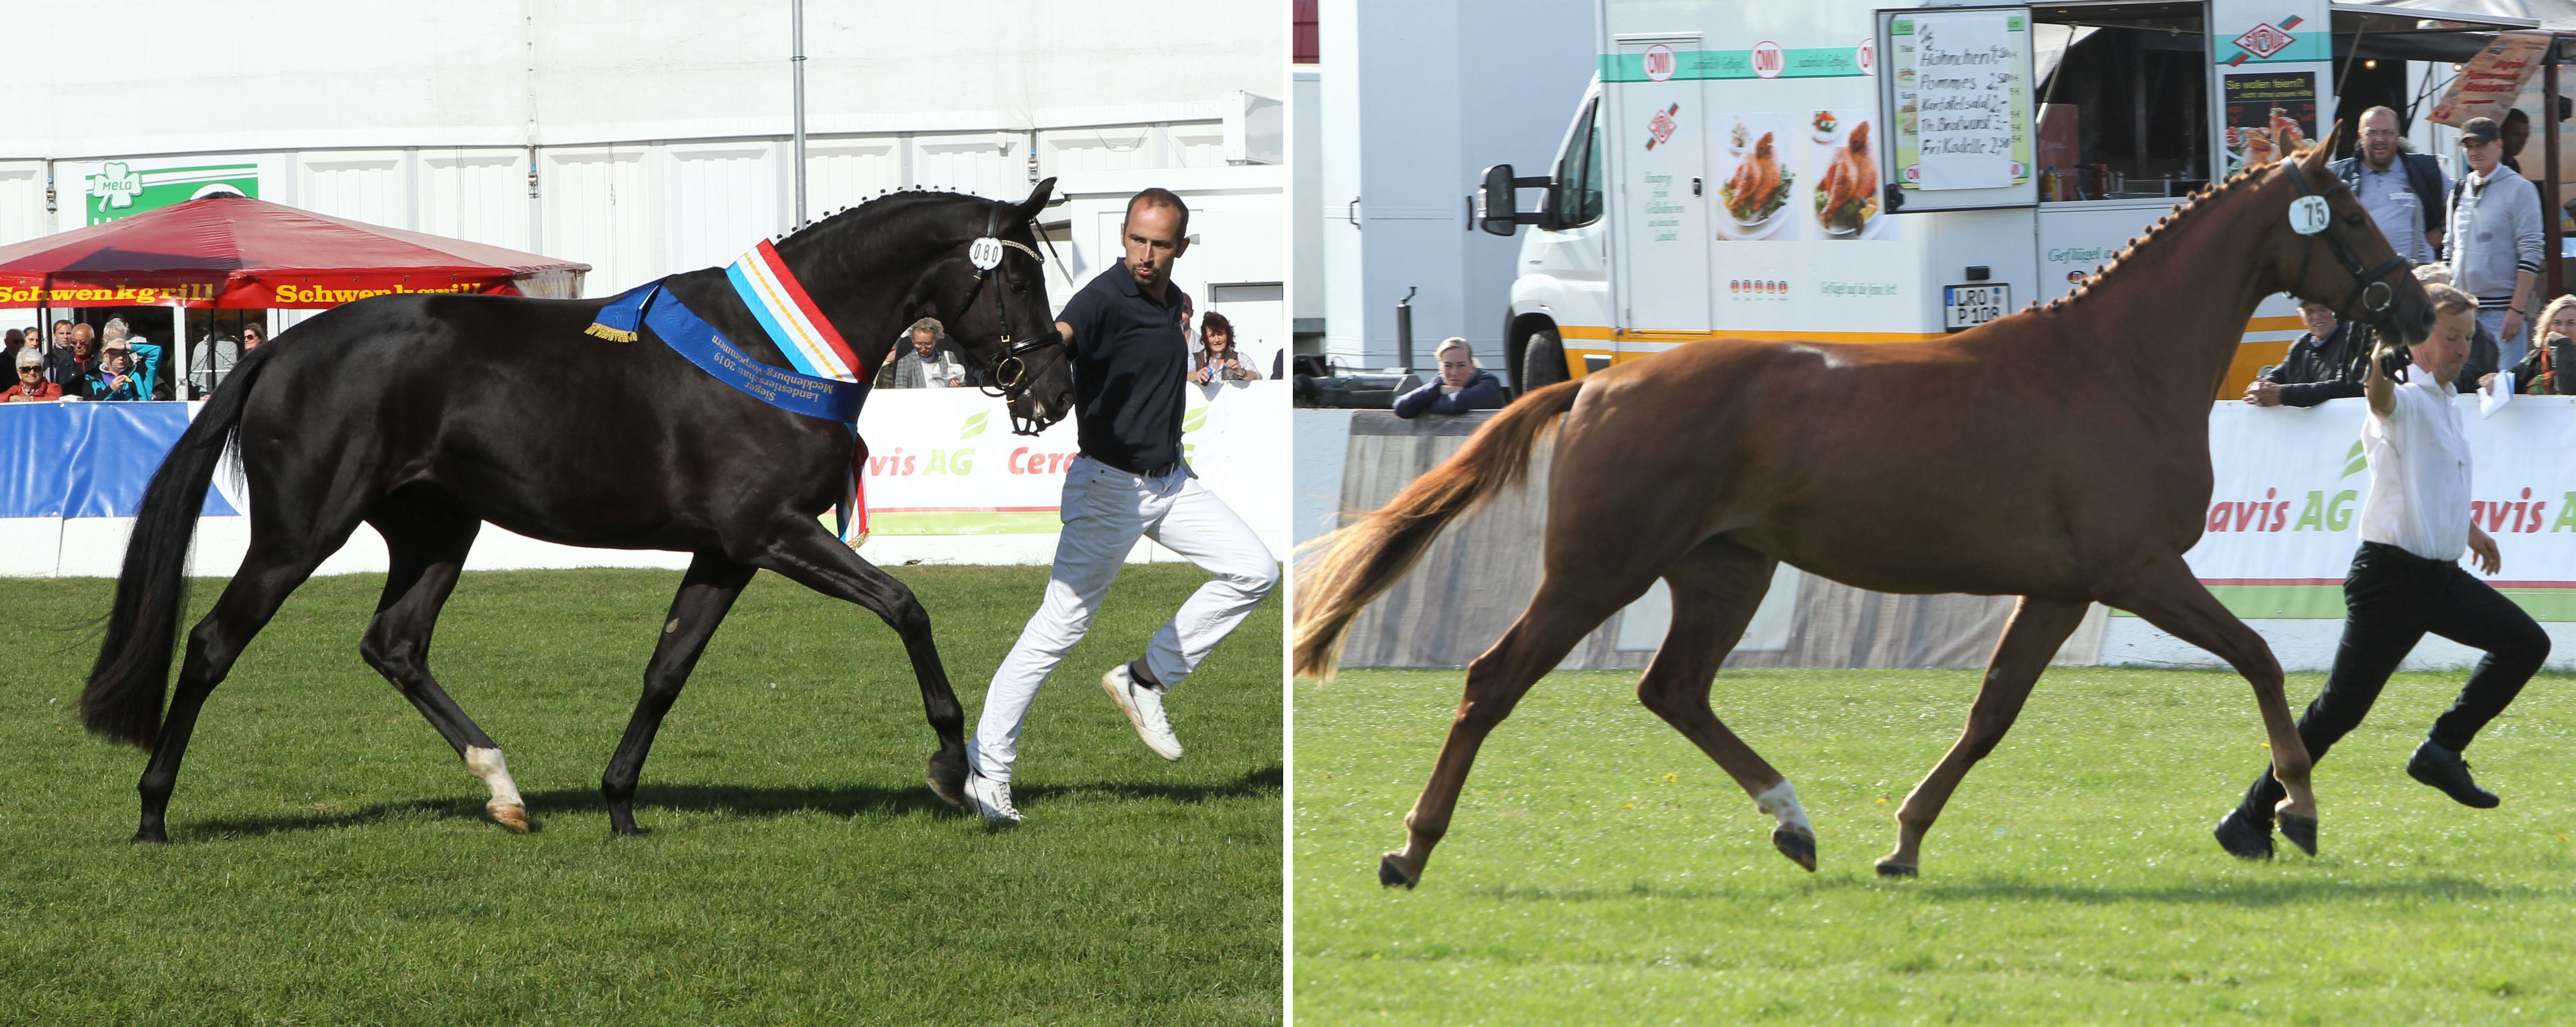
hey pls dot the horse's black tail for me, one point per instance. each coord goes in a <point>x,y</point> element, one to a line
<point>123,700</point>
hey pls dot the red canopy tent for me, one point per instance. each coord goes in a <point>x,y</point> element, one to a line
<point>236,252</point>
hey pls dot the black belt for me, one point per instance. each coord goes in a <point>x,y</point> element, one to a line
<point>1156,472</point>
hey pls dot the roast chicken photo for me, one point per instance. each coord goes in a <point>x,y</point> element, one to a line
<point>1847,195</point>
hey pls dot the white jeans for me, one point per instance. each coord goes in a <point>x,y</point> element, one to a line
<point>1104,510</point>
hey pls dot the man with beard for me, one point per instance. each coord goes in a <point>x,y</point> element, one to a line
<point>2402,191</point>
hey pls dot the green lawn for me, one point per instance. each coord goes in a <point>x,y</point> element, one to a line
<point>332,862</point>
<point>1600,870</point>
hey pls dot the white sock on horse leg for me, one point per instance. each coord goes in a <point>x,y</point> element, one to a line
<point>488,765</point>
<point>1780,801</point>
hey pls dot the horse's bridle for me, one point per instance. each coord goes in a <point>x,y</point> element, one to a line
<point>2370,289</point>
<point>1010,371</point>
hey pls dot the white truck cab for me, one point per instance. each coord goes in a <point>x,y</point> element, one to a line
<point>1834,170</point>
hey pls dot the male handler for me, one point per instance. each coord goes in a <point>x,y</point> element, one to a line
<point>1129,363</point>
<point>2406,580</point>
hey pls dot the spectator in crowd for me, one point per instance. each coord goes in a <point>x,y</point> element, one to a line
<point>252,336</point>
<point>2517,133</point>
<point>2324,364</point>
<point>1462,386</point>
<point>927,364</point>
<point>1217,360</point>
<point>2495,238</point>
<point>2482,346</point>
<point>75,362</point>
<point>2402,191</point>
<point>31,385</point>
<point>2550,368</point>
<point>142,358</point>
<point>116,378</point>
<point>16,341</point>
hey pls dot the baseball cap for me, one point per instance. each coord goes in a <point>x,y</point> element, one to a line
<point>2480,131</point>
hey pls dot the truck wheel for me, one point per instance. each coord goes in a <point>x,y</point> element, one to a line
<point>1542,360</point>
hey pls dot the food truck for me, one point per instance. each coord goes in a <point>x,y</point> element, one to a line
<point>1835,170</point>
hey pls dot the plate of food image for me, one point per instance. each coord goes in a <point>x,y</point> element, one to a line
<point>1847,194</point>
<point>1756,197</point>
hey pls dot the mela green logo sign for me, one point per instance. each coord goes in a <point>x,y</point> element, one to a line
<point>121,189</point>
<point>975,423</point>
<point>1194,420</point>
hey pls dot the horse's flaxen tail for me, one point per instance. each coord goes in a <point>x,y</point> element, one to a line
<point>1366,558</point>
<point>123,700</point>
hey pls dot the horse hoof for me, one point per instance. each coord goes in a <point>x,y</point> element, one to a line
<point>510,815</point>
<point>948,777</point>
<point>1392,876</point>
<point>1887,868</point>
<point>1800,848</point>
<point>2301,831</point>
<point>149,836</point>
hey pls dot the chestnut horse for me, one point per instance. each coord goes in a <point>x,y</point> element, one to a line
<point>426,416</point>
<point>2060,454</point>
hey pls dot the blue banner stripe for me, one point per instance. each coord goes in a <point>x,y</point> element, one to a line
<point>88,459</point>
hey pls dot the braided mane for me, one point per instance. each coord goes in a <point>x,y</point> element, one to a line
<point>2199,199</point>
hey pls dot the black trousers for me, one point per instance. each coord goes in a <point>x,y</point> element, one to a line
<point>2391,599</point>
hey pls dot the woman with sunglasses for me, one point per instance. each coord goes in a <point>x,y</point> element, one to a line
<point>31,386</point>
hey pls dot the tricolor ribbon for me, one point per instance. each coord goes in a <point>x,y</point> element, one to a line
<point>835,398</point>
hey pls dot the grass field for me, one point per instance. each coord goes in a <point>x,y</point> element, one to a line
<point>332,862</point>
<point>1600,870</point>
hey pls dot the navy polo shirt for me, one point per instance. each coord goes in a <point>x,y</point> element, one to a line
<point>1129,364</point>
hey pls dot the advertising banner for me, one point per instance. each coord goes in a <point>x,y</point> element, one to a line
<point>2489,82</point>
<point>122,188</point>
<point>942,462</point>
<point>2282,521</point>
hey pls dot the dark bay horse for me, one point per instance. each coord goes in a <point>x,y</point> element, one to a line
<point>426,416</point>
<point>2060,454</point>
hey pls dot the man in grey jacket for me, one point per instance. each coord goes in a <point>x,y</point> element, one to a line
<point>2495,236</point>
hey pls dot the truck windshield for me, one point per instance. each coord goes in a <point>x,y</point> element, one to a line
<point>1579,174</point>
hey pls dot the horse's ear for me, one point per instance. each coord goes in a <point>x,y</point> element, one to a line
<point>2322,152</point>
<point>1037,200</point>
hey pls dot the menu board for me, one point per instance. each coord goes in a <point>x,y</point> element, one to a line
<point>1962,103</point>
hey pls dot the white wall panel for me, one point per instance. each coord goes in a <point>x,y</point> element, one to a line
<point>22,201</point>
<point>1072,151</point>
<point>600,210</point>
<point>848,172</point>
<point>475,195</point>
<point>984,163</point>
<point>721,201</point>
<point>1199,144</point>
<point>368,187</point>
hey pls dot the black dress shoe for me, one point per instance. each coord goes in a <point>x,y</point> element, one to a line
<point>2243,836</point>
<point>2444,769</point>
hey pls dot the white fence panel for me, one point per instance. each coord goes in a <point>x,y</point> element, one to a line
<point>849,172</point>
<point>366,187</point>
<point>722,201</point>
<point>983,163</point>
<point>476,195</point>
<point>600,210</point>
<point>22,201</point>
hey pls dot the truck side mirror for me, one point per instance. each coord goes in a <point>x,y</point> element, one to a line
<point>1498,203</point>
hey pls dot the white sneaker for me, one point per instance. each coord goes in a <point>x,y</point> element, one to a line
<point>1144,706</point>
<point>991,798</point>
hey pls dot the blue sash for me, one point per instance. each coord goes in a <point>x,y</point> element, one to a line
<point>695,340</point>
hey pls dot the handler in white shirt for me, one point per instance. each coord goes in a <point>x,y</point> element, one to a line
<point>2406,580</point>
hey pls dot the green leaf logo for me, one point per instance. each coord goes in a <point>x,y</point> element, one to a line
<point>974,425</point>
<point>1194,420</point>
<point>2353,462</point>
<point>119,184</point>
